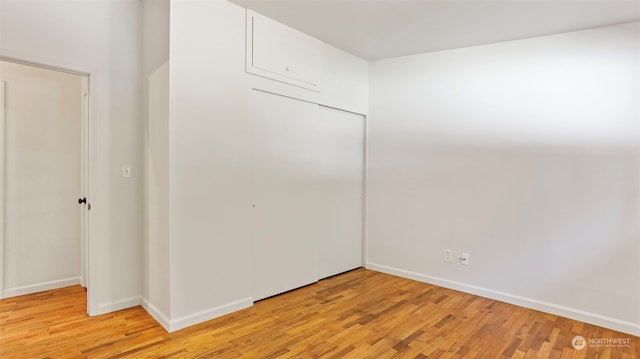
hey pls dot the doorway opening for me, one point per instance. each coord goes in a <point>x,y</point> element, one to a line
<point>44,177</point>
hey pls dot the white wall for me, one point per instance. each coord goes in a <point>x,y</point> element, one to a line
<point>209,150</point>
<point>345,82</point>
<point>211,162</point>
<point>524,154</point>
<point>101,38</point>
<point>43,115</point>
<point>155,83</point>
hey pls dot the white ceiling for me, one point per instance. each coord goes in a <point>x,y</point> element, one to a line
<point>376,29</point>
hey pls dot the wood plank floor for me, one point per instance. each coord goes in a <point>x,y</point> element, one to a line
<point>359,314</point>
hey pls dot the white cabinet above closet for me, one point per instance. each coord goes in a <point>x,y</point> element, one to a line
<point>283,54</point>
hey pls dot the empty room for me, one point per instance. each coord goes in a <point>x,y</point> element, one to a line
<point>319,179</point>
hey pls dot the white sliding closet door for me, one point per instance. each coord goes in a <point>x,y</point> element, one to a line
<point>285,247</point>
<point>340,191</point>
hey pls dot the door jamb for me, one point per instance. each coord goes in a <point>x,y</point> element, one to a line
<point>2,140</point>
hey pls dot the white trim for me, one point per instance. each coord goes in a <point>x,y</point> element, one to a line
<point>155,313</point>
<point>365,191</point>
<point>572,313</point>
<point>205,315</point>
<point>93,257</point>
<point>2,174</point>
<point>84,176</point>
<point>41,287</point>
<point>42,66</point>
<point>118,305</point>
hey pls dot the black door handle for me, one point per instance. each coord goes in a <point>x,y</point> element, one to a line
<point>82,200</point>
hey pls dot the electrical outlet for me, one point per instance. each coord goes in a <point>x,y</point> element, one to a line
<point>447,256</point>
<point>464,258</point>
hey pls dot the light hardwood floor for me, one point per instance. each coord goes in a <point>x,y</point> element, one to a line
<point>359,314</point>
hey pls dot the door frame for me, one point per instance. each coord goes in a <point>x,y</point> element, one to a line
<point>2,176</point>
<point>87,155</point>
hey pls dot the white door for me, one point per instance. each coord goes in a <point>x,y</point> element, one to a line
<point>340,191</point>
<point>42,170</point>
<point>285,246</point>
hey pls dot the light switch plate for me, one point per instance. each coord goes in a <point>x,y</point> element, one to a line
<point>126,170</point>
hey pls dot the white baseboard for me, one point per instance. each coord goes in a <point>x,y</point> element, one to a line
<point>203,316</point>
<point>155,314</point>
<point>40,287</point>
<point>592,318</point>
<point>117,305</point>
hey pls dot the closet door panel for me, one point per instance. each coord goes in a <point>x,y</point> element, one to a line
<point>285,248</point>
<point>340,191</point>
